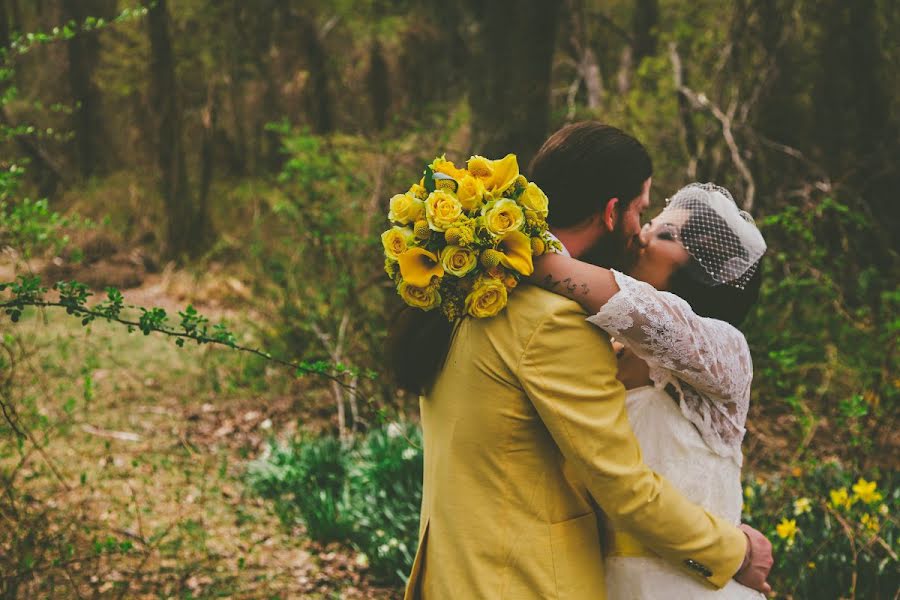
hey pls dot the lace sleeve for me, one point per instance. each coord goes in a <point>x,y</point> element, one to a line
<point>706,360</point>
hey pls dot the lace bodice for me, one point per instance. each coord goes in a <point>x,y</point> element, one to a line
<point>705,360</point>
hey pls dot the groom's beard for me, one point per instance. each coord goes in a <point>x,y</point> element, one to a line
<point>615,250</point>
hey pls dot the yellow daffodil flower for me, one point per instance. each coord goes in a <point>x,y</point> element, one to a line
<point>840,498</point>
<point>865,491</point>
<point>787,530</point>
<point>802,506</point>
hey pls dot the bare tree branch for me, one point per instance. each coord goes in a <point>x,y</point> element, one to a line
<point>726,120</point>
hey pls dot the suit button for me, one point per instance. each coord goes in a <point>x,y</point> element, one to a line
<point>693,564</point>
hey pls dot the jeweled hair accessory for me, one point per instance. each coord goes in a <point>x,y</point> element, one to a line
<point>722,238</point>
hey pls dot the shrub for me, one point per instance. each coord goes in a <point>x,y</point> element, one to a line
<point>307,481</point>
<point>367,492</point>
<point>834,534</point>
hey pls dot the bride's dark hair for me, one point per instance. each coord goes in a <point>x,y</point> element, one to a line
<point>417,346</point>
<point>706,297</point>
<point>722,301</point>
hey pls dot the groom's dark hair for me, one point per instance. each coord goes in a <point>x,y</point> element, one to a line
<point>584,165</point>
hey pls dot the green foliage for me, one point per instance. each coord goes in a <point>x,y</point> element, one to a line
<point>823,332</point>
<point>833,535</point>
<point>306,479</point>
<point>367,492</point>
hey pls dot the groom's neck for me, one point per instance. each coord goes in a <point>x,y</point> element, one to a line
<point>576,240</point>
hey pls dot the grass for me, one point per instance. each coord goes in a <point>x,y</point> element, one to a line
<point>150,442</point>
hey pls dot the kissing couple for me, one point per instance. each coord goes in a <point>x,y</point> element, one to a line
<point>585,442</point>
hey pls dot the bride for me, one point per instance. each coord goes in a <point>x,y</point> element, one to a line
<point>685,364</point>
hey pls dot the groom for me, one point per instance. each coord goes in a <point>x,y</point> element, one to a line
<point>525,427</point>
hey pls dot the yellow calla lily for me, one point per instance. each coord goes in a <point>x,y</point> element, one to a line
<point>418,266</point>
<point>516,250</point>
<point>497,175</point>
<point>505,172</point>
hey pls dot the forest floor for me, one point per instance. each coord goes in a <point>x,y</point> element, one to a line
<point>151,443</point>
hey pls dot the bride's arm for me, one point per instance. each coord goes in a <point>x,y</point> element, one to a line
<point>660,328</point>
<point>589,285</point>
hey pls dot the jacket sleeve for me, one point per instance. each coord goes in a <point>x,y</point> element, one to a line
<point>568,370</point>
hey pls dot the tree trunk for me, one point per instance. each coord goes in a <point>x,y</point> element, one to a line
<point>378,86</point>
<point>509,83</point>
<point>83,53</point>
<point>5,25</point>
<point>188,225</point>
<point>320,105</point>
<point>644,34</point>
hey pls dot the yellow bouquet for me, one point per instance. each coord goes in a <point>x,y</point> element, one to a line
<point>460,239</point>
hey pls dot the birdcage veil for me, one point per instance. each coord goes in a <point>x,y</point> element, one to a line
<point>722,239</point>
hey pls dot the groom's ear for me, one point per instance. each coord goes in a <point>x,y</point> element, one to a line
<point>611,214</point>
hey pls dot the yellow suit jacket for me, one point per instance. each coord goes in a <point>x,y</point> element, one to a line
<point>524,426</point>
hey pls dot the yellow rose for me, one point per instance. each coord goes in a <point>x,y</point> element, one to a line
<point>442,210</point>
<point>405,209</point>
<point>533,198</point>
<point>458,261</point>
<point>487,298</point>
<point>396,241</point>
<point>471,193</point>
<point>425,298</point>
<point>418,266</point>
<point>442,165</point>
<point>497,175</point>
<point>502,217</point>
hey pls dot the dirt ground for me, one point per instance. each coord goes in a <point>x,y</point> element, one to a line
<point>149,444</point>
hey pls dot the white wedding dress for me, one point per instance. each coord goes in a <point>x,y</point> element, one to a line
<point>695,442</point>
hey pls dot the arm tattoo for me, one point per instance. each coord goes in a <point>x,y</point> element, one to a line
<point>570,286</point>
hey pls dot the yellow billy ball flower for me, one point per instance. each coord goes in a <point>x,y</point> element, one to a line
<point>447,185</point>
<point>487,298</point>
<point>537,246</point>
<point>396,241</point>
<point>424,298</point>
<point>442,210</point>
<point>406,209</point>
<point>421,230</point>
<point>458,261</point>
<point>502,217</point>
<point>490,258</point>
<point>453,236</point>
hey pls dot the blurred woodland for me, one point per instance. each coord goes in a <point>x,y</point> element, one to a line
<point>237,157</point>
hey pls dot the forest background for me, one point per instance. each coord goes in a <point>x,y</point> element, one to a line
<point>230,162</point>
